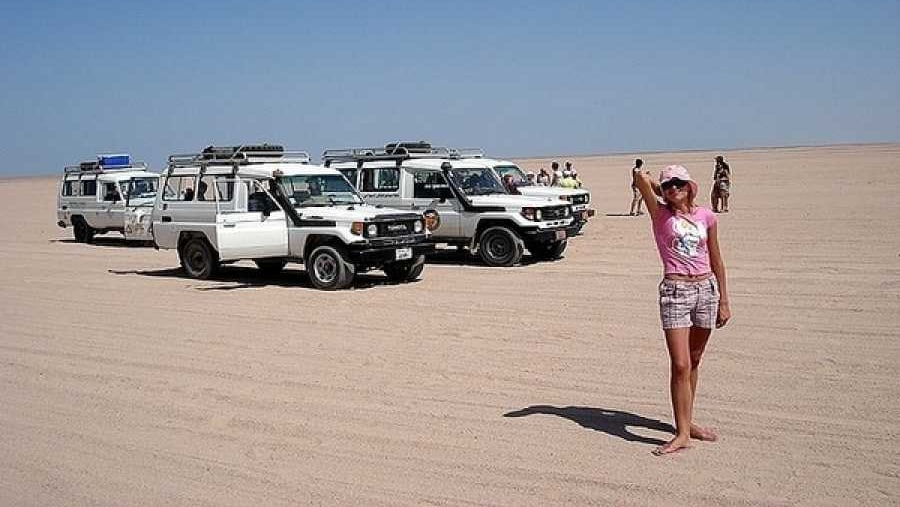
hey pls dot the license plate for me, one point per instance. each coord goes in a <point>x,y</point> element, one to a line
<point>403,254</point>
<point>560,235</point>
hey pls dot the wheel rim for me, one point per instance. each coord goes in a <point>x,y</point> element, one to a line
<point>498,247</point>
<point>325,268</point>
<point>196,258</point>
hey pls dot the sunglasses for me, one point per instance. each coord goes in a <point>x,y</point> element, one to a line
<point>674,183</point>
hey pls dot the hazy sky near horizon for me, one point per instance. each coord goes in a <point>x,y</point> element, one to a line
<point>517,78</point>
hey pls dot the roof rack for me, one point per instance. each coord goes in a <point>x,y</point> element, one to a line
<point>106,163</point>
<point>391,151</point>
<point>467,152</point>
<point>238,155</point>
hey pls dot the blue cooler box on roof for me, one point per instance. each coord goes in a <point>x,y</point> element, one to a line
<point>117,160</point>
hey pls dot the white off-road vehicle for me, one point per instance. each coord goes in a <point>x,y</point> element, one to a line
<point>109,194</point>
<point>579,197</point>
<point>462,198</point>
<point>261,203</point>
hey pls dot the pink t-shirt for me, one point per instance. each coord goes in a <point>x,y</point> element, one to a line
<point>681,240</point>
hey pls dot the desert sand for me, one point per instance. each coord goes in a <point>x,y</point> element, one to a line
<point>125,383</point>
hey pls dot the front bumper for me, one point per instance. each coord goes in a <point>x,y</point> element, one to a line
<point>369,255</point>
<point>551,235</point>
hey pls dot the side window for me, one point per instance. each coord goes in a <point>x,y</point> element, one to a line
<point>381,179</point>
<point>88,188</point>
<point>111,192</point>
<point>224,188</point>
<point>179,188</point>
<point>68,188</point>
<point>429,185</point>
<point>258,199</point>
<point>206,189</point>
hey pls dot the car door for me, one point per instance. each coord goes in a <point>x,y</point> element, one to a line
<point>251,225</point>
<point>111,212</point>
<point>431,191</point>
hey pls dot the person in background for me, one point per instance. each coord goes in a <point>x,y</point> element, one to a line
<point>568,181</point>
<point>573,173</point>
<point>555,174</point>
<point>636,198</point>
<point>510,185</point>
<point>530,178</point>
<point>721,186</point>
<point>543,178</point>
<point>693,297</point>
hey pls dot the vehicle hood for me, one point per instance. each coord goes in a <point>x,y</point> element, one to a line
<point>351,213</point>
<point>537,190</point>
<point>515,201</point>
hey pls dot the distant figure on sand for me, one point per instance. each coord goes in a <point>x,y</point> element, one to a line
<point>721,186</point>
<point>635,193</point>
<point>692,295</point>
<point>555,174</point>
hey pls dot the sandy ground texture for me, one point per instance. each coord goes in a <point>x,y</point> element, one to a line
<point>124,383</point>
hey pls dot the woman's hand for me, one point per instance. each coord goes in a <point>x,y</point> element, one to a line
<point>724,314</point>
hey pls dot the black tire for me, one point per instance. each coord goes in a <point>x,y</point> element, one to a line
<point>548,251</point>
<point>270,266</point>
<point>83,232</point>
<point>500,246</point>
<point>404,271</point>
<point>328,268</point>
<point>198,259</point>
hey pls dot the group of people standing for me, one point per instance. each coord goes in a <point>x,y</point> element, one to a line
<point>721,188</point>
<point>566,178</point>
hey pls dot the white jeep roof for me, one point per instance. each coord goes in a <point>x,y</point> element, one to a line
<point>266,170</point>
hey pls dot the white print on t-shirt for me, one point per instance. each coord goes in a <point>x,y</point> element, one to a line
<point>687,237</point>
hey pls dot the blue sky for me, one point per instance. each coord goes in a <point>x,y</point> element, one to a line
<point>517,78</point>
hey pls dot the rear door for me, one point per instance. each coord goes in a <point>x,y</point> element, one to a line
<point>250,225</point>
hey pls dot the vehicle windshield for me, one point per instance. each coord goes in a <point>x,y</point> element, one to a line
<point>142,188</point>
<point>476,181</point>
<point>518,176</point>
<point>318,190</point>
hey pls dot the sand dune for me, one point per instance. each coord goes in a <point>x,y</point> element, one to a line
<point>125,383</point>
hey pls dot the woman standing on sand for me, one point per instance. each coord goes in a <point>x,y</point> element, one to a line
<point>692,295</point>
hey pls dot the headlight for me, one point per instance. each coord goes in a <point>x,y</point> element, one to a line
<point>568,210</point>
<point>528,213</point>
<point>417,226</point>
<point>356,228</point>
<point>372,230</point>
<point>538,215</point>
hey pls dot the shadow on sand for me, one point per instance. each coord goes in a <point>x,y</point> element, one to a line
<point>242,277</point>
<point>107,242</point>
<point>462,257</point>
<point>611,422</point>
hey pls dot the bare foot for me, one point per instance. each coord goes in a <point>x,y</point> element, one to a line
<point>704,434</point>
<point>672,446</point>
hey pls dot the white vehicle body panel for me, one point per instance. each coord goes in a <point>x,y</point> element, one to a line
<point>132,219</point>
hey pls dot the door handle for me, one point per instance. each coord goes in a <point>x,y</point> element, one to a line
<point>228,225</point>
<point>166,219</point>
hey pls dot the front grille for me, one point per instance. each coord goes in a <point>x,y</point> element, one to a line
<point>553,213</point>
<point>398,228</point>
<point>580,199</point>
